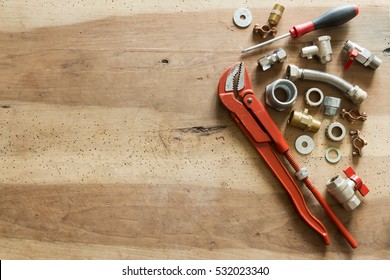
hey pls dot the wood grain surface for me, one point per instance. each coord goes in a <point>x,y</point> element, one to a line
<point>114,144</point>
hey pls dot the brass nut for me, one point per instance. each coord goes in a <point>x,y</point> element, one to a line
<point>303,120</point>
<point>276,14</point>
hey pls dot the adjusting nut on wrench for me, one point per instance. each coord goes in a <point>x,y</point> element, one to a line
<point>267,61</point>
<point>343,190</point>
<point>320,48</point>
<point>303,120</point>
<point>360,54</point>
<point>353,93</point>
<point>289,89</point>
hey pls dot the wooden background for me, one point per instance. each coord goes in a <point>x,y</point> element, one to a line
<point>114,145</point>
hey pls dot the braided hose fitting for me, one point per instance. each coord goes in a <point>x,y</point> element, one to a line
<point>353,93</point>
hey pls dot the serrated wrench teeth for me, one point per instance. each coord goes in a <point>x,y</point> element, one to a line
<point>235,79</point>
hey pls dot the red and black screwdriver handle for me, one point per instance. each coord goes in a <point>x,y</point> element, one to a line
<point>333,17</point>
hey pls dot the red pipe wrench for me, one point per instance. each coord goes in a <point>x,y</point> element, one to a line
<point>236,93</point>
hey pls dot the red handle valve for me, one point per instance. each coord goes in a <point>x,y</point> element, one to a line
<point>352,56</point>
<point>360,186</point>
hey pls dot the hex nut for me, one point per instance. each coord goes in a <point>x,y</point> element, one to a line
<point>331,105</point>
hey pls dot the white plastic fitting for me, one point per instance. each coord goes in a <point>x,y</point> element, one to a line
<point>343,190</point>
<point>320,48</point>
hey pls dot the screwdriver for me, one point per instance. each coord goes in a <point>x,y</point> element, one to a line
<point>333,17</point>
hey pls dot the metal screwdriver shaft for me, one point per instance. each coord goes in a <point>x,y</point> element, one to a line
<point>333,17</point>
<point>265,43</point>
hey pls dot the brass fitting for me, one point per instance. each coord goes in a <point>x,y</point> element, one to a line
<point>276,14</point>
<point>265,30</point>
<point>303,120</point>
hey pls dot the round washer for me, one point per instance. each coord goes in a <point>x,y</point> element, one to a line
<point>304,144</point>
<point>242,17</point>
<point>311,102</point>
<point>333,160</point>
<point>330,131</point>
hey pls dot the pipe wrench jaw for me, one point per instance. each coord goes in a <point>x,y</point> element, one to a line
<point>235,80</point>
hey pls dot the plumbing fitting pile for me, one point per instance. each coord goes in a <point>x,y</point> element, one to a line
<point>237,81</point>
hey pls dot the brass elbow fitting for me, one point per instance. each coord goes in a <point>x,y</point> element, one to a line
<point>303,120</point>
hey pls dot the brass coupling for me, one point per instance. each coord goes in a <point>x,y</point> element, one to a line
<point>276,14</point>
<point>303,120</point>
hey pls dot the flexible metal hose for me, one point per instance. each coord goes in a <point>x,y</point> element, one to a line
<point>354,93</point>
<point>319,76</point>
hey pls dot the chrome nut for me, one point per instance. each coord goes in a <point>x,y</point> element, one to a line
<point>288,87</point>
<point>331,105</point>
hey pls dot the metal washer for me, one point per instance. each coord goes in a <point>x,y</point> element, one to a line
<point>302,149</point>
<point>246,19</point>
<point>333,160</point>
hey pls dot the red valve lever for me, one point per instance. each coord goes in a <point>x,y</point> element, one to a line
<point>360,186</point>
<point>352,55</point>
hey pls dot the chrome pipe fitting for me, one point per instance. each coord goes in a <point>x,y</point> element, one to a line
<point>331,105</point>
<point>362,55</point>
<point>267,61</point>
<point>289,89</point>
